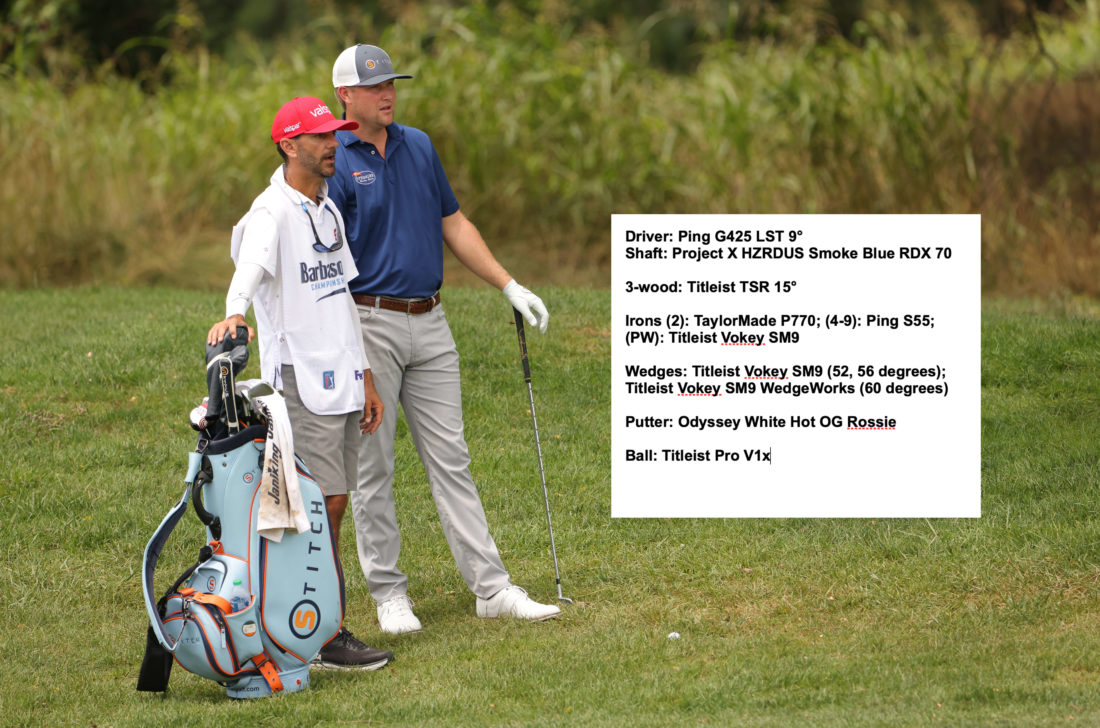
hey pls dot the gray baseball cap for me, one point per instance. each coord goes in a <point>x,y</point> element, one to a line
<point>363,65</point>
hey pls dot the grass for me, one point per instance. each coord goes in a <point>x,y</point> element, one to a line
<point>822,622</point>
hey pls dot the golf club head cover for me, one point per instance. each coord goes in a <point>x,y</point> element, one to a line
<point>237,349</point>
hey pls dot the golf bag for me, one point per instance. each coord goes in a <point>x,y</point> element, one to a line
<point>251,612</point>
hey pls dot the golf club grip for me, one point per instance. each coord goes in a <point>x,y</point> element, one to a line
<point>522,345</point>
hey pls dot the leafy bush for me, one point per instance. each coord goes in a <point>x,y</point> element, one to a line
<point>546,129</point>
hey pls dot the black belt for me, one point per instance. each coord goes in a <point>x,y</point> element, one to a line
<point>421,305</point>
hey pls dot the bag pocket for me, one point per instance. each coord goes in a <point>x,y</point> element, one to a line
<point>209,642</point>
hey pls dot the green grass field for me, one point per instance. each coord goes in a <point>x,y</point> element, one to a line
<point>785,622</point>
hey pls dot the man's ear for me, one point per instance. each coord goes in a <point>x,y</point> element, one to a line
<point>289,148</point>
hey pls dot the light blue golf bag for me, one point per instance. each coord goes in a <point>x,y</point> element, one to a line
<point>250,613</point>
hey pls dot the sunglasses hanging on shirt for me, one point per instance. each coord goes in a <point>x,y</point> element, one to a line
<point>317,244</point>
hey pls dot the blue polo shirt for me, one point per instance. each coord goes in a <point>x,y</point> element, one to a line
<point>393,209</point>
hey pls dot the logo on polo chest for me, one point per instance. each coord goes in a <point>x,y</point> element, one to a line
<point>365,177</point>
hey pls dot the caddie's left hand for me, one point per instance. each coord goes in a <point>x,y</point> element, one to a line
<point>229,326</point>
<point>372,407</point>
<point>528,304</point>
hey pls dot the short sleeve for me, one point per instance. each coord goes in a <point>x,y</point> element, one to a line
<point>447,200</point>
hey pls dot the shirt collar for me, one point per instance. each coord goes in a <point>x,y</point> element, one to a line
<point>347,138</point>
<point>278,178</point>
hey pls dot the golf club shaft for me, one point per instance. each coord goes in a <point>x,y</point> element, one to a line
<point>538,447</point>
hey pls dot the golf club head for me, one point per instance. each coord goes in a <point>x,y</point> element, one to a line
<point>250,389</point>
<point>565,600</point>
<point>247,391</point>
<point>224,361</point>
<point>198,417</point>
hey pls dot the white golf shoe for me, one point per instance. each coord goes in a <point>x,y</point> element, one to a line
<point>512,601</point>
<point>395,616</point>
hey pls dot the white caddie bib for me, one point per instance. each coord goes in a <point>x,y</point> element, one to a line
<point>304,304</point>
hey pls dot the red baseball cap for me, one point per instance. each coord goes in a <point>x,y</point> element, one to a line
<point>306,115</point>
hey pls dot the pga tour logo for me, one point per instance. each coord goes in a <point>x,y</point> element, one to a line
<point>364,178</point>
<point>329,379</point>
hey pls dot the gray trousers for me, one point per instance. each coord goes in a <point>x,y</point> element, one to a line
<point>414,360</point>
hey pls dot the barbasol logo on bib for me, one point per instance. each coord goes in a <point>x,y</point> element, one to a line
<point>329,379</point>
<point>321,271</point>
<point>365,177</point>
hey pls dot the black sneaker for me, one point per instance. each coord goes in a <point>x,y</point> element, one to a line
<point>344,652</point>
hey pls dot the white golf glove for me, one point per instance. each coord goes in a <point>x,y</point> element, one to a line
<point>528,304</point>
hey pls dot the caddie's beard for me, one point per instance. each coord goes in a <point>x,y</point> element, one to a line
<point>315,165</point>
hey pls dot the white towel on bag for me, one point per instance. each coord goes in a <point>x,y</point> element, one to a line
<point>281,505</point>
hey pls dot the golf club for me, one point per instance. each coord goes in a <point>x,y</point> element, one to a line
<point>538,447</point>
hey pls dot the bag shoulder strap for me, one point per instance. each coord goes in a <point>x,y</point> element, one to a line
<point>157,663</point>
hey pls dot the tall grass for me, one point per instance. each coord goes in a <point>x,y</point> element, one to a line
<point>545,130</point>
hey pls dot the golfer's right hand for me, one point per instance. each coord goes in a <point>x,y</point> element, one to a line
<point>219,330</point>
<point>528,304</point>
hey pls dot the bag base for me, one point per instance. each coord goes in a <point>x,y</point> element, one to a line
<point>293,680</point>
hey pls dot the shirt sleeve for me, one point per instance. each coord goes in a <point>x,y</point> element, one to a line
<point>242,289</point>
<point>260,241</point>
<point>448,201</point>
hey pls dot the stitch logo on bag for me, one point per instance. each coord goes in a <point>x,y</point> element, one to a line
<point>304,619</point>
<point>210,584</point>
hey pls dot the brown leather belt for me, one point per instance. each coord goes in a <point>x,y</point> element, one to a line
<point>422,305</point>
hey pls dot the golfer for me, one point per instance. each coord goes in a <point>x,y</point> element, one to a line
<point>292,261</point>
<point>400,211</point>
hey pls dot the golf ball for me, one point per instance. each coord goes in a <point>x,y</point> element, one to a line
<point>674,635</point>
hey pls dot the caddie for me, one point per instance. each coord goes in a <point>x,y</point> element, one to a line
<point>401,211</point>
<point>292,263</point>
